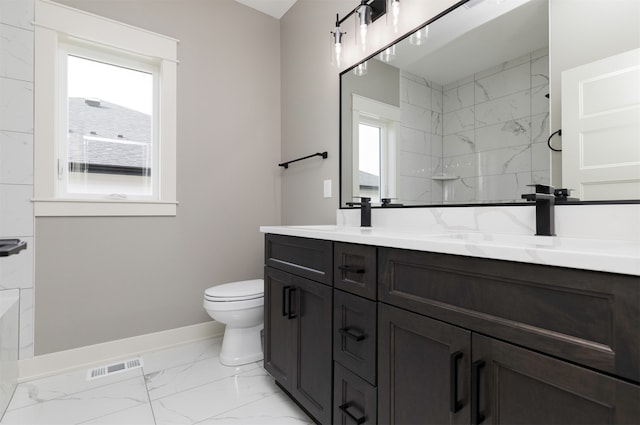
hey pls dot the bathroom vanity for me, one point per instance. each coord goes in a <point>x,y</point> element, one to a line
<point>371,326</point>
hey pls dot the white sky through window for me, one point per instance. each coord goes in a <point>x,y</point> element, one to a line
<point>122,86</point>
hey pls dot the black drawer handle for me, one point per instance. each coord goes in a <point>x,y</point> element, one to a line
<point>285,302</point>
<point>344,410</point>
<point>476,416</point>
<point>454,404</point>
<point>349,333</point>
<point>290,314</point>
<point>352,269</point>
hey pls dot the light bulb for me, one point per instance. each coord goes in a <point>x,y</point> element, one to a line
<point>388,54</point>
<point>335,43</point>
<point>363,20</point>
<point>363,35</point>
<point>395,13</point>
<point>419,37</point>
<point>361,69</point>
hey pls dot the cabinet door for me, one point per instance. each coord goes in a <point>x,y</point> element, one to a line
<point>312,351</point>
<point>513,385</point>
<point>423,369</point>
<point>278,326</point>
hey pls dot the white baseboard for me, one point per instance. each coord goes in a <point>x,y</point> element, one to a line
<point>53,363</point>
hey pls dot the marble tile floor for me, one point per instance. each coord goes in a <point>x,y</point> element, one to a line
<point>184,384</point>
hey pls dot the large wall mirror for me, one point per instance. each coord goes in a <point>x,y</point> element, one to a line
<point>454,113</point>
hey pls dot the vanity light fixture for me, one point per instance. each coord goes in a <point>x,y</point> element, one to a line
<point>419,37</point>
<point>336,44</point>
<point>365,13</point>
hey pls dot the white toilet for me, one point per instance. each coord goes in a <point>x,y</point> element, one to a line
<point>240,306</point>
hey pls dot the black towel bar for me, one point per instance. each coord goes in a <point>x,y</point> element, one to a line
<point>286,164</point>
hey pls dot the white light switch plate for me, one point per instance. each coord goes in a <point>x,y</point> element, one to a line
<point>327,188</point>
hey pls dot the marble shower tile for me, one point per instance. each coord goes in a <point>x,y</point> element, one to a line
<point>504,161</point>
<point>16,158</point>
<point>503,66</point>
<point>505,134</point>
<point>506,108</point>
<point>540,157</point>
<point>414,165</point>
<point>16,271</point>
<point>505,187</point>
<point>26,324</point>
<point>418,94</point>
<point>436,146</point>
<point>459,143</point>
<point>206,401</point>
<point>436,123</point>
<point>461,165</point>
<point>539,101</point>
<point>180,378</point>
<point>16,97</point>
<point>276,409</point>
<point>415,117</point>
<point>412,140</point>
<point>16,50</point>
<point>82,407</point>
<point>504,83</point>
<point>540,128</point>
<point>459,191</point>
<point>458,121</point>
<point>436,100</point>
<point>458,97</point>
<point>19,13</point>
<point>540,71</point>
<point>414,190</point>
<point>16,210</point>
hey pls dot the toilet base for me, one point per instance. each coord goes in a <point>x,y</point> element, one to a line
<point>241,345</point>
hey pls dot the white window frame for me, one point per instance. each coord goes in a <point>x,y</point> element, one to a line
<point>56,28</point>
<point>387,118</point>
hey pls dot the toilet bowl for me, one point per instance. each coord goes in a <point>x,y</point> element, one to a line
<point>240,306</point>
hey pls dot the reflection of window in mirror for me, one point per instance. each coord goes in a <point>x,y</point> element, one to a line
<point>375,127</point>
<point>371,137</point>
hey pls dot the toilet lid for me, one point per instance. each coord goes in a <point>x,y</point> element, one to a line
<point>236,291</point>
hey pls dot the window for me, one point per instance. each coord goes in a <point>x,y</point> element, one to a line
<point>375,128</point>
<point>105,116</point>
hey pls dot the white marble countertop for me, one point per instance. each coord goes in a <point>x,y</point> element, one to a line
<point>616,256</point>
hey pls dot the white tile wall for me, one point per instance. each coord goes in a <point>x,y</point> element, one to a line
<point>496,125</point>
<point>16,156</point>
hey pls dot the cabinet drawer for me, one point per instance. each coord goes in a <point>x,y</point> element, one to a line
<point>354,399</point>
<point>587,317</point>
<point>309,258</point>
<point>354,334</point>
<point>355,269</point>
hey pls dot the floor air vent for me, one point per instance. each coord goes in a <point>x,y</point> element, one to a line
<point>101,371</point>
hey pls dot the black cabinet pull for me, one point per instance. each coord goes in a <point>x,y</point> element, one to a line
<point>476,416</point>
<point>454,404</point>
<point>344,410</point>
<point>290,314</point>
<point>285,302</point>
<point>349,333</point>
<point>352,269</point>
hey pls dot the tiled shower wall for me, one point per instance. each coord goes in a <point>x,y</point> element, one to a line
<point>16,156</point>
<point>486,132</point>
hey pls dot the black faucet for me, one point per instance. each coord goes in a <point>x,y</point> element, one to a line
<point>545,200</point>
<point>365,211</point>
<point>386,203</point>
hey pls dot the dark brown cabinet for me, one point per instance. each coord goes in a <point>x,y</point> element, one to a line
<point>513,385</point>
<point>298,337</point>
<point>423,369</point>
<point>362,335</point>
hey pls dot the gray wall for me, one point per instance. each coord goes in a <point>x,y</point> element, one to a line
<point>101,279</point>
<point>310,96</point>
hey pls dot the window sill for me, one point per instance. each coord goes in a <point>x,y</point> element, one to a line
<point>92,208</point>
